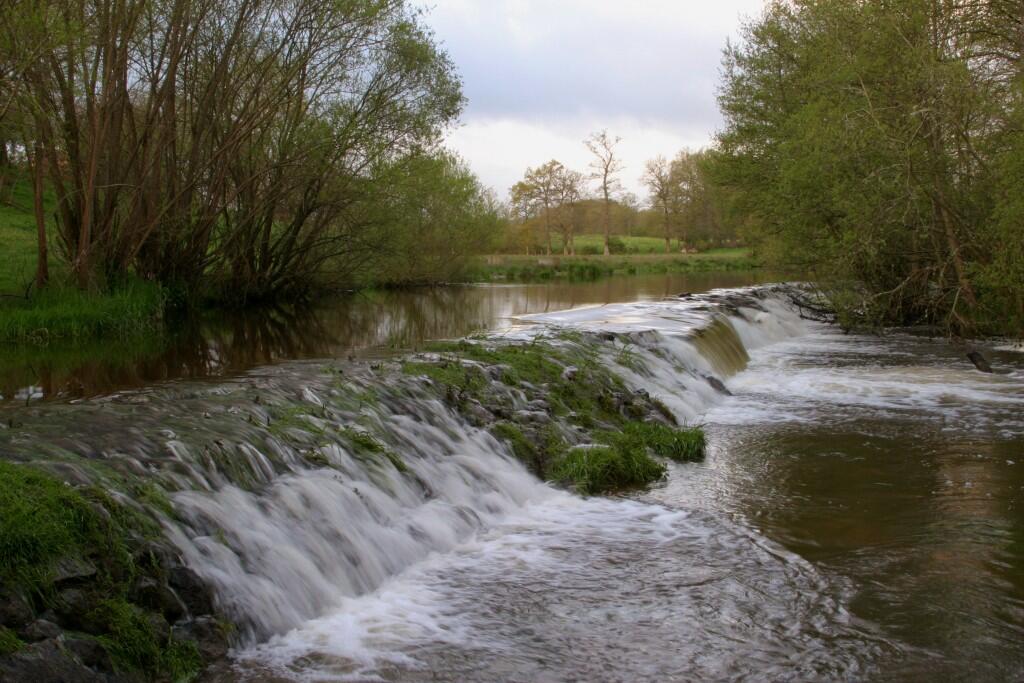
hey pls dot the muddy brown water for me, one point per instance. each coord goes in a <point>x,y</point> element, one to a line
<point>371,323</point>
<point>859,517</point>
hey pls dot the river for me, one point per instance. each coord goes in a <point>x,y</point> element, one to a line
<point>860,514</point>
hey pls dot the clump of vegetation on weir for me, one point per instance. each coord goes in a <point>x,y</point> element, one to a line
<point>85,586</point>
<point>561,411</point>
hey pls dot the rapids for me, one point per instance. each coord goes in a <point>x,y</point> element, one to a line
<point>859,515</point>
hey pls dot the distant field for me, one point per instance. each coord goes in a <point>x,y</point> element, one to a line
<point>530,268</point>
<point>634,245</point>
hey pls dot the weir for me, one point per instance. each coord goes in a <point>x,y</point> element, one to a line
<point>296,488</point>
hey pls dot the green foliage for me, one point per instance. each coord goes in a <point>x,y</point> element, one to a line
<point>865,143</point>
<point>434,219</point>
<point>45,521</point>
<point>685,444</point>
<point>9,641</point>
<point>590,268</point>
<point>603,469</point>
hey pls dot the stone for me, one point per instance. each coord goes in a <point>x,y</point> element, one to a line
<point>158,596</point>
<point>14,609</point>
<point>47,662</point>
<point>90,652</point>
<point>570,373</point>
<point>73,608</point>
<point>71,569</point>
<point>40,629</point>
<point>208,635</point>
<point>979,361</point>
<point>191,589</point>
<point>718,385</point>
<point>531,417</point>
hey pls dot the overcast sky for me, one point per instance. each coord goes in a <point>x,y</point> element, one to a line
<point>542,74</point>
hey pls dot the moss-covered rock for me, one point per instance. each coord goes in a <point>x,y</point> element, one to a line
<point>570,418</point>
<point>100,571</point>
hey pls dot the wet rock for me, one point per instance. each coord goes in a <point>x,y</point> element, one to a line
<point>72,569</point>
<point>14,609</point>
<point>539,406</point>
<point>157,596</point>
<point>89,652</point>
<point>47,662</point>
<point>499,373</point>
<point>718,385</point>
<point>73,609</point>
<point>476,412</point>
<point>40,629</point>
<point>526,417</point>
<point>191,589</point>
<point>208,634</point>
<point>979,361</point>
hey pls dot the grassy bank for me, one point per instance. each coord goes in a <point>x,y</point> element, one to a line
<point>134,309</point>
<point>539,268</point>
<point>61,311</point>
<point>72,558</point>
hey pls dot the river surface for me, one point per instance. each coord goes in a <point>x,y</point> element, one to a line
<point>860,515</point>
<point>371,323</point>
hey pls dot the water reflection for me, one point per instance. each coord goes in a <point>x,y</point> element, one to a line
<point>368,323</point>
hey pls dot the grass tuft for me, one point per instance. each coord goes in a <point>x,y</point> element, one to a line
<point>9,641</point>
<point>602,469</point>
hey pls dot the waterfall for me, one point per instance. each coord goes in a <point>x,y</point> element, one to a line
<point>307,484</point>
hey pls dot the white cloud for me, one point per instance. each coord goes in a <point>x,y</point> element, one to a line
<point>542,74</point>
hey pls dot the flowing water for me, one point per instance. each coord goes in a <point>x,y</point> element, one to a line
<point>859,515</point>
<point>364,324</point>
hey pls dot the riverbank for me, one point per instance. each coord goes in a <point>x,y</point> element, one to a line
<point>520,268</point>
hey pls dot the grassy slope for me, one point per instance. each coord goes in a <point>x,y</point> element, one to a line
<point>61,311</point>
<point>18,240</point>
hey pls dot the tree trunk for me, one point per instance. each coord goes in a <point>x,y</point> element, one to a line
<point>668,238</point>
<point>42,262</point>
<point>607,222</point>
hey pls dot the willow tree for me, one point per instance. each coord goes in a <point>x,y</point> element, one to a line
<point>192,138</point>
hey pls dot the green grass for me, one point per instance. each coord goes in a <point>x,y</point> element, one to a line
<point>584,268</point>
<point>61,311</point>
<point>9,641</point>
<point>44,521</point>
<point>18,236</point>
<point>602,469</point>
<point>682,445</point>
<point>65,313</point>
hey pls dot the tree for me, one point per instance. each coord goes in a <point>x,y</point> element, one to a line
<point>658,176</point>
<point>235,140</point>
<point>867,142</point>
<point>604,168</point>
<point>569,192</point>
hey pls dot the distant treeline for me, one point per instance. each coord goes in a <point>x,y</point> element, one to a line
<point>880,145</point>
<point>552,204</point>
<point>256,148</point>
